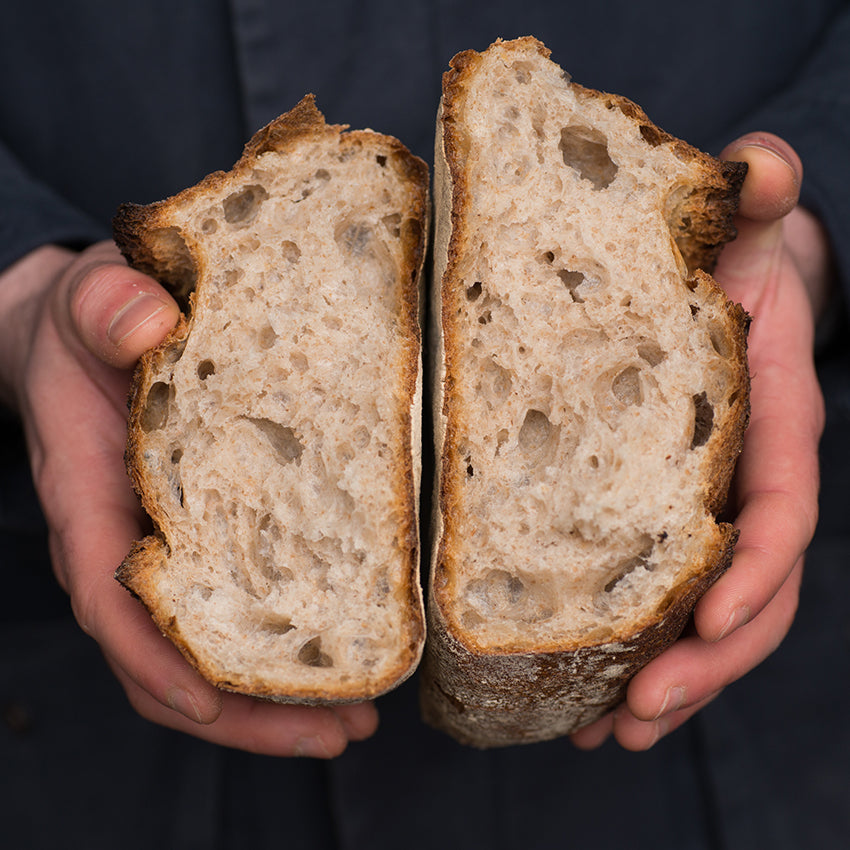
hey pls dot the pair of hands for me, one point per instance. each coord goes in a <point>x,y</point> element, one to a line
<point>73,325</point>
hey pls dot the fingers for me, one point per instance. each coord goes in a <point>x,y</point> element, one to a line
<point>117,312</point>
<point>261,727</point>
<point>98,317</point>
<point>160,684</point>
<point>690,675</point>
<point>745,615</point>
<point>594,735</point>
<point>693,669</point>
<point>776,480</point>
<point>639,735</point>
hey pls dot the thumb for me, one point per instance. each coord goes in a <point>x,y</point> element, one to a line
<point>772,186</point>
<point>118,312</point>
<point>770,191</point>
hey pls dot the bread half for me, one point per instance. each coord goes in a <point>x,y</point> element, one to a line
<point>274,437</point>
<point>591,396</point>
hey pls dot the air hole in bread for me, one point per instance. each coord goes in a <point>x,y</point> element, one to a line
<point>694,310</point>
<point>267,337</point>
<point>268,538</point>
<point>290,252</point>
<point>362,437</point>
<point>485,318</point>
<point>496,592</point>
<point>312,184</point>
<point>652,135</point>
<point>241,208</point>
<point>299,360</point>
<point>202,590</point>
<point>572,281</point>
<point>628,566</point>
<point>471,619</point>
<point>381,160</point>
<point>501,438</point>
<point>354,237</point>
<point>174,262</point>
<point>720,342</point>
<point>205,369</point>
<point>522,72</point>
<point>155,412</point>
<point>282,439</point>
<point>535,431</point>
<point>548,257</point>
<point>474,291</point>
<point>500,594</point>
<point>585,149</point>
<point>232,276</point>
<point>651,352</point>
<point>703,420</point>
<point>626,386</point>
<point>276,624</point>
<point>209,225</point>
<point>393,224</point>
<point>495,383</point>
<point>176,455</point>
<point>311,654</point>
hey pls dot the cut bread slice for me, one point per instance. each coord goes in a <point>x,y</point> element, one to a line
<point>274,437</point>
<point>591,395</point>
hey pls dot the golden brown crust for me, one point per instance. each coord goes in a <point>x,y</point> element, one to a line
<point>148,239</point>
<point>493,697</point>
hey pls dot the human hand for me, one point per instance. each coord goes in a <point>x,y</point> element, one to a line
<point>71,327</point>
<point>777,268</point>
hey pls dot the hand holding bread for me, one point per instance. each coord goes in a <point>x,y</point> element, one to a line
<point>777,268</point>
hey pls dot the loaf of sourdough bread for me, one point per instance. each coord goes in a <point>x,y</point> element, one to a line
<point>274,436</point>
<point>591,396</point>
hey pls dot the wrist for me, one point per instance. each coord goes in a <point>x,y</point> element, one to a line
<point>24,288</point>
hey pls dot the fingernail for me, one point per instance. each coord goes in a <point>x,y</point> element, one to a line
<point>138,310</point>
<point>778,155</point>
<point>184,703</point>
<point>311,746</point>
<point>737,618</point>
<point>660,729</point>
<point>674,699</point>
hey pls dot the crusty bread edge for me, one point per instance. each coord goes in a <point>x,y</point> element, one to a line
<point>137,230</point>
<point>478,697</point>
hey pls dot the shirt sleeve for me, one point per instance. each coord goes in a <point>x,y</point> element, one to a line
<point>32,214</point>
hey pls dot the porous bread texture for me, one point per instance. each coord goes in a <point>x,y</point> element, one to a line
<point>590,402</point>
<point>274,436</point>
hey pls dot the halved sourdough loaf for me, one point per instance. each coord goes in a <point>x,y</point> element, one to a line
<point>590,398</point>
<point>274,436</point>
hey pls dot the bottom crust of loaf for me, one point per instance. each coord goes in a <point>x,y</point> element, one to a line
<point>491,699</point>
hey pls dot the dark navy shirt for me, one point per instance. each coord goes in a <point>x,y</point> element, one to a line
<point>103,103</point>
<point>106,102</point>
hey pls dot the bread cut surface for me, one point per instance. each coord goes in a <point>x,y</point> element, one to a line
<point>590,398</point>
<point>274,436</point>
